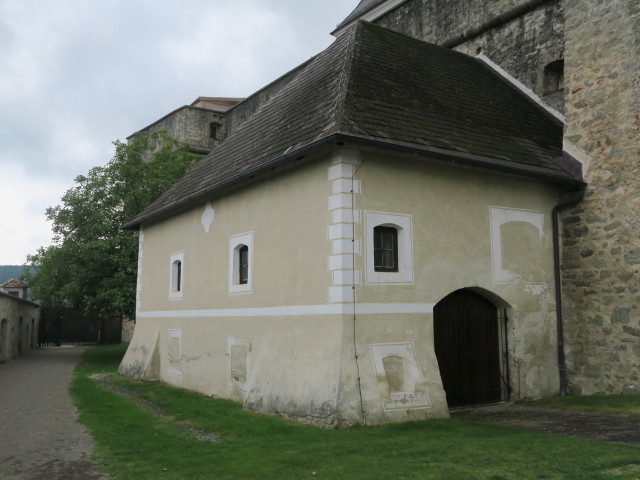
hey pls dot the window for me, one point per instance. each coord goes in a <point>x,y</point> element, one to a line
<point>176,275</point>
<point>385,249</point>
<point>213,130</point>
<point>553,77</point>
<point>389,252</point>
<point>240,263</point>
<point>243,263</point>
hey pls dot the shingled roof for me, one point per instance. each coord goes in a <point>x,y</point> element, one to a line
<point>376,86</point>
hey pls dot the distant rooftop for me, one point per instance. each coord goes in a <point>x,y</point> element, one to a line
<point>13,283</point>
<point>218,104</point>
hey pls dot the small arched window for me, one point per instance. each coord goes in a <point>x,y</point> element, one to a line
<point>176,275</point>
<point>554,77</point>
<point>385,249</point>
<point>243,265</point>
<point>240,263</point>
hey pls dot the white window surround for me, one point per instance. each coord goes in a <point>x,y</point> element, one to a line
<point>176,275</point>
<point>174,352</point>
<point>404,275</point>
<point>235,243</point>
<point>499,217</point>
<point>244,343</point>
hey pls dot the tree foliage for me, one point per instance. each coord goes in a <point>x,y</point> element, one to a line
<point>92,262</point>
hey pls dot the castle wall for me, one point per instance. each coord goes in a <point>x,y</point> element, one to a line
<point>191,125</point>
<point>601,254</point>
<point>537,35</point>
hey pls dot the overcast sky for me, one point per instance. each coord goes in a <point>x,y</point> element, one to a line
<point>76,75</point>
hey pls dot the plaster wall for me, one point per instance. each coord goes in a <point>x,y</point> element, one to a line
<point>288,345</point>
<point>460,220</point>
<point>19,322</point>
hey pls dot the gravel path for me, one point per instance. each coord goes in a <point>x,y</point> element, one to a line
<point>41,436</point>
<point>610,428</point>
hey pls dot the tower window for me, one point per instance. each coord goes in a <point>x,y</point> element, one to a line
<point>554,77</point>
<point>213,130</point>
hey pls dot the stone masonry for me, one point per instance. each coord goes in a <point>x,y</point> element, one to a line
<point>601,254</point>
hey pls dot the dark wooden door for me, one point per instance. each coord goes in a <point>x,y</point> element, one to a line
<point>467,346</point>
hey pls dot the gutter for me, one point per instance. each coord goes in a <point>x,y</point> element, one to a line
<point>562,366</point>
<point>495,22</point>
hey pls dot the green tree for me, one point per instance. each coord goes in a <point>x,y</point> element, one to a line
<point>92,262</point>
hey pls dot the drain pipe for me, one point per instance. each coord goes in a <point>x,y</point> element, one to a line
<point>562,367</point>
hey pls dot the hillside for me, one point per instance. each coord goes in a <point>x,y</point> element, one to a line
<point>7,272</point>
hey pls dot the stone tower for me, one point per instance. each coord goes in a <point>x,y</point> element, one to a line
<point>601,235</point>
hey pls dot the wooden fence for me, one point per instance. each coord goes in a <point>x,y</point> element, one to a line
<point>66,326</point>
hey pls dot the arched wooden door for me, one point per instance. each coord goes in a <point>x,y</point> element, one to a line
<point>467,345</point>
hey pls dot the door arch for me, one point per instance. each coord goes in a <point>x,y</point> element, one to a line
<point>469,340</point>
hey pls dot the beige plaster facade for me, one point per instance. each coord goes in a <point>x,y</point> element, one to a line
<point>318,335</point>
<point>19,322</point>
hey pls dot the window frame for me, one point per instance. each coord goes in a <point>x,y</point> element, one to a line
<point>402,223</point>
<point>382,248</point>
<point>176,275</point>
<point>237,245</point>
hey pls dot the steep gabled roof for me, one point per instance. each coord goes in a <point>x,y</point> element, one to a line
<point>376,86</point>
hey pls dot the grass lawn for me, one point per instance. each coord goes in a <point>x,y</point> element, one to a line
<point>133,443</point>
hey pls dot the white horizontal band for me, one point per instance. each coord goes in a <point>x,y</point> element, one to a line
<point>301,310</point>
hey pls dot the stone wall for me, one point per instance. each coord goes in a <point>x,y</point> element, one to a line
<point>523,46</point>
<point>19,322</point>
<point>191,125</point>
<point>601,237</point>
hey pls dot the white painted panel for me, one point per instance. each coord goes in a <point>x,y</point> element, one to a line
<point>341,231</point>
<point>340,200</point>
<point>346,277</point>
<point>341,294</point>
<point>340,262</point>
<point>345,246</point>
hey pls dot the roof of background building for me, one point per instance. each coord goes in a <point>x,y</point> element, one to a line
<point>363,7</point>
<point>373,85</point>
<point>218,104</point>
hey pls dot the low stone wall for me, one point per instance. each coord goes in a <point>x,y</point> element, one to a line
<point>19,322</point>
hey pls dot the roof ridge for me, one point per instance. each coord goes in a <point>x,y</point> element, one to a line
<point>345,78</point>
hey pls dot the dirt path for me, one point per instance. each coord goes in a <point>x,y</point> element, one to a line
<point>611,428</point>
<point>41,437</point>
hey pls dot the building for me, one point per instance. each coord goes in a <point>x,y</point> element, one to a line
<point>19,322</point>
<point>581,57</point>
<point>15,288</point>
<point>328,261</point>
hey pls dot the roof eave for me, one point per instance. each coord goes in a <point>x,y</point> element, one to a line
<point>450,156</point>
<point>231,183</point>
<point>469,159</point>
